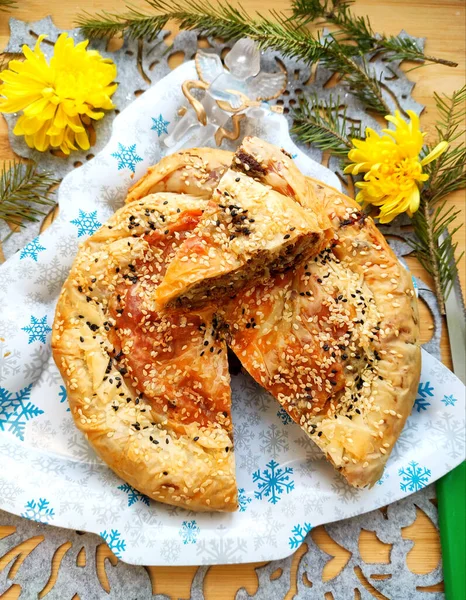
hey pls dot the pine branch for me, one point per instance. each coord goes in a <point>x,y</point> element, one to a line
<point>135,24</point>
<point>229,22</point>
<point>7,5</point>
<point>220,20</point>
<point>359,30</point>
<point>23,192</point>
<point>434,246</point>
<point>325,125</point>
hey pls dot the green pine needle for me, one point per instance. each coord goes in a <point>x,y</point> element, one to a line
<point>359,30</point>
<point>135,24</point>
<point>434,246</point>
<point>325,125</point>
<point>23,192</point>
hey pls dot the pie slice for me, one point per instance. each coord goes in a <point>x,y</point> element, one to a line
<point>195,171</point>
<point>247,231</point>
<point>275,167</point>
<point>149,388</point>
<point>336,341</point>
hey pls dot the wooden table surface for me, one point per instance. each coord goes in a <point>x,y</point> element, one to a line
<point>444,25</point>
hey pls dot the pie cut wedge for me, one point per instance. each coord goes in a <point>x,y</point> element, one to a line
<point>247,231</point>
<point>336,341</point>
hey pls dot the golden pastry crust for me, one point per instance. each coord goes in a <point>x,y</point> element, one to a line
<point>149,389</point>
<point>195,171</point>
<point>337,342</point>
<point>275,167</point>
<point>246,232</point>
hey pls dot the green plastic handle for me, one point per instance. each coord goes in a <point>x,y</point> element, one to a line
<point>451,495</point>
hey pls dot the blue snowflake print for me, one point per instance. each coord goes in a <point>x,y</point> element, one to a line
<point>299,535</point>
<point>424,390</point>
<point>414,477</point>
<point>384,477</point>
<point>449,400</point>
<point>86,223</point>
<point>189,532</point>
<point>160,125</point>
<point>37,330</point>
<point>127,157</point>
<point>16,411</point>
<point>284,416</point>
<point>243,500</point>
<point>39,511</point>
<point>114,541</point>
<point>63,396</point>
<point>133,495</point>
<point>272,483</point>
<point>32,250</point>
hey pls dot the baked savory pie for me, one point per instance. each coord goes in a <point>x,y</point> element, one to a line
<point>334,337</point>
<point>336,341</point>
<point>149,389</point>
<point>247,231</point>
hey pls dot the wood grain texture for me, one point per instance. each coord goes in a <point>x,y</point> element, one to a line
<point>444,26</point>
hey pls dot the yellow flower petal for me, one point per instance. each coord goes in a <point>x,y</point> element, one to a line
<point>392,166</point>
<point>58,97</point>
<point>435,153</point>
<point>82,140</point>
<point>414,201</point>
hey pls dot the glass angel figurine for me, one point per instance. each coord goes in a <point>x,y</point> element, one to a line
<point>235,92</point>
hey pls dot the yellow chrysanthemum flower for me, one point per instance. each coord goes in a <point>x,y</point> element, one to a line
<point>58,99</point>
<point>392,166</point>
